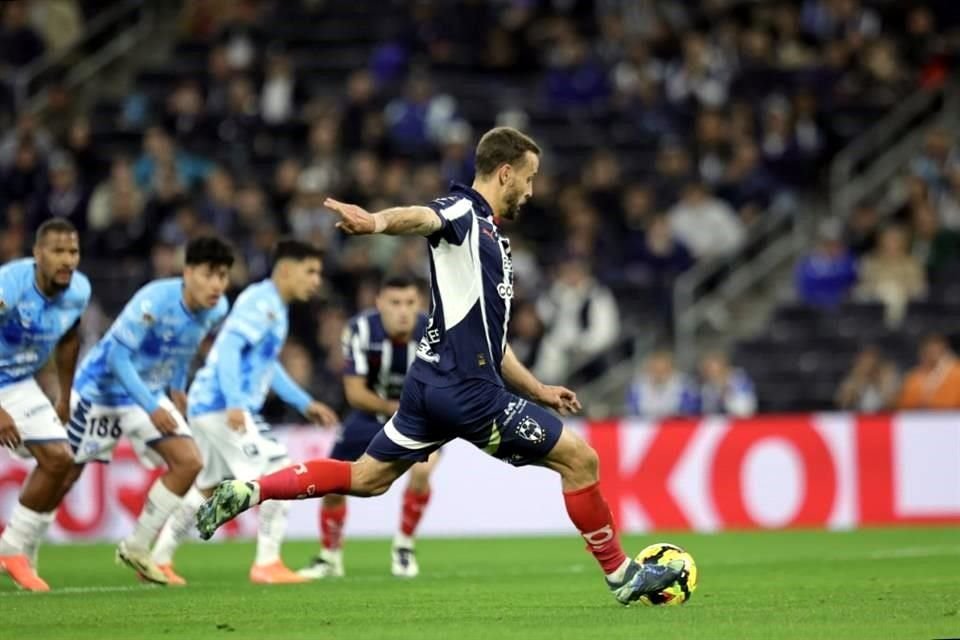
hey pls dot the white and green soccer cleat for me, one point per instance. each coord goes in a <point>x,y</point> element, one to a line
<point>229,499</point>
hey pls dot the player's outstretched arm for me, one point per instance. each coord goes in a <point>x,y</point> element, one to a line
<point>561,399</point>
<point>396,221</point>
<point>67,353</point>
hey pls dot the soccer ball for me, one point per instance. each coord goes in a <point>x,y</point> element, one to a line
<point>680,591</point>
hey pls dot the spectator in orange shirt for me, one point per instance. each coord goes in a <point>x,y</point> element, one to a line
<point>935,382</point>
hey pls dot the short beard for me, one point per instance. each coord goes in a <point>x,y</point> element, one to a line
<point>56,286</point>
<point>511,206</point>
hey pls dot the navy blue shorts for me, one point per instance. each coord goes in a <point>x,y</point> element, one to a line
<point>355,435</point>
<point>491,418</point>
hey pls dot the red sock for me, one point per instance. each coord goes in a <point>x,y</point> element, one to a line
<point>331,525</point>
<point>590,514</point>
<point>414,504</point>
<point>310,479</point>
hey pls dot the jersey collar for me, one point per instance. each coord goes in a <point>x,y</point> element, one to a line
<point>481,206</point>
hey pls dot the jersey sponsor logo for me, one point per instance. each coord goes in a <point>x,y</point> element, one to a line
<point>530,429</point>
<point>505,291</point>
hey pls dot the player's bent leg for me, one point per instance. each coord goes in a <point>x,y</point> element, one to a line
<point>182,458</point>
<point>329,562</point>
<point>312,479</point>
<point>268,567</point>
<point>175,531</point>
<point>34,512</point>
<point>415,500</point>
<point>578,466</point>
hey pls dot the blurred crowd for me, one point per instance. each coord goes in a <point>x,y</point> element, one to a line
<point>873,384</point>
<point>892,258</point>
<point>735,107</point>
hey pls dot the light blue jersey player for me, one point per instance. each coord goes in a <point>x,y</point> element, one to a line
<point>228,392</point>
<point>41,301</point>
<point>457,388</point>
<point>133,383</point>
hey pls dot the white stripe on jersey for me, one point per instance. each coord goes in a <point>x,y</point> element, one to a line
<point>359,360</point>
<point>458,209</point>
<point>411,353</point>
<point>457,269</point>
<point>478,277</point>
<point>507,285</point>
<point>360,343</point>
<point>386,363</point>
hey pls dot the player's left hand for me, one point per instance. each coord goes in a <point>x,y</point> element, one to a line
<point>354,220</point>
<point>63,409</point>
<point>321,414</point>
<point>560,399</point>
<point>179,401</point>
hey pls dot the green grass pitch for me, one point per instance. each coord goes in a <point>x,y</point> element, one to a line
<point>897,583</point>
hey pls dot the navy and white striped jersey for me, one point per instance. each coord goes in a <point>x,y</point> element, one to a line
<point>471,276</point>
<point>369,352</point>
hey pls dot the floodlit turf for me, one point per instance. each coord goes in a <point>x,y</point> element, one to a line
<point>901,583</point>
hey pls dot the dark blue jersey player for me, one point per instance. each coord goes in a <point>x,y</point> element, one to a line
<point>466,382</point>
<point>379,346</point>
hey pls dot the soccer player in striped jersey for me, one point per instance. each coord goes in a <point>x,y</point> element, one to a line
<point>457,388</point>
<point>378,347</point>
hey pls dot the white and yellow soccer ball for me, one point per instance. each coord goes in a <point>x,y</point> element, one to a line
<point>681,590</point>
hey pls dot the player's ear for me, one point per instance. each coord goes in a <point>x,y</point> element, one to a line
<point>504,173</point>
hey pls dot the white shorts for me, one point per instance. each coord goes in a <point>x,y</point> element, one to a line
<point>229,454</point>
<point>95,429</point>
<point>33,414</point>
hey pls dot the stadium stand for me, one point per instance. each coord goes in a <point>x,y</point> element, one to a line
<point>659,119</point>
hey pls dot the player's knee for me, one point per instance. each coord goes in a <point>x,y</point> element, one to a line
<point>56,461</point>
<point>185,462</point>
<point>419,478</point>
<point>333,500</point>
<point>71,478</point>
<point>190,465</point>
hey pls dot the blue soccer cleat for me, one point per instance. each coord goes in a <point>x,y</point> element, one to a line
<point>642,579</point>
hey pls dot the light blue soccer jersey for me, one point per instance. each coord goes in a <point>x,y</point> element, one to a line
<point>32,324</point>
<point>161,336</point>
<point>250,341</point>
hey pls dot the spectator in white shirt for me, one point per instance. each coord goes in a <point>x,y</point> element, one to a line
<point>660,391</point>
<point>707,225</point>
<point>581,321</point>
<point>726,390</point>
